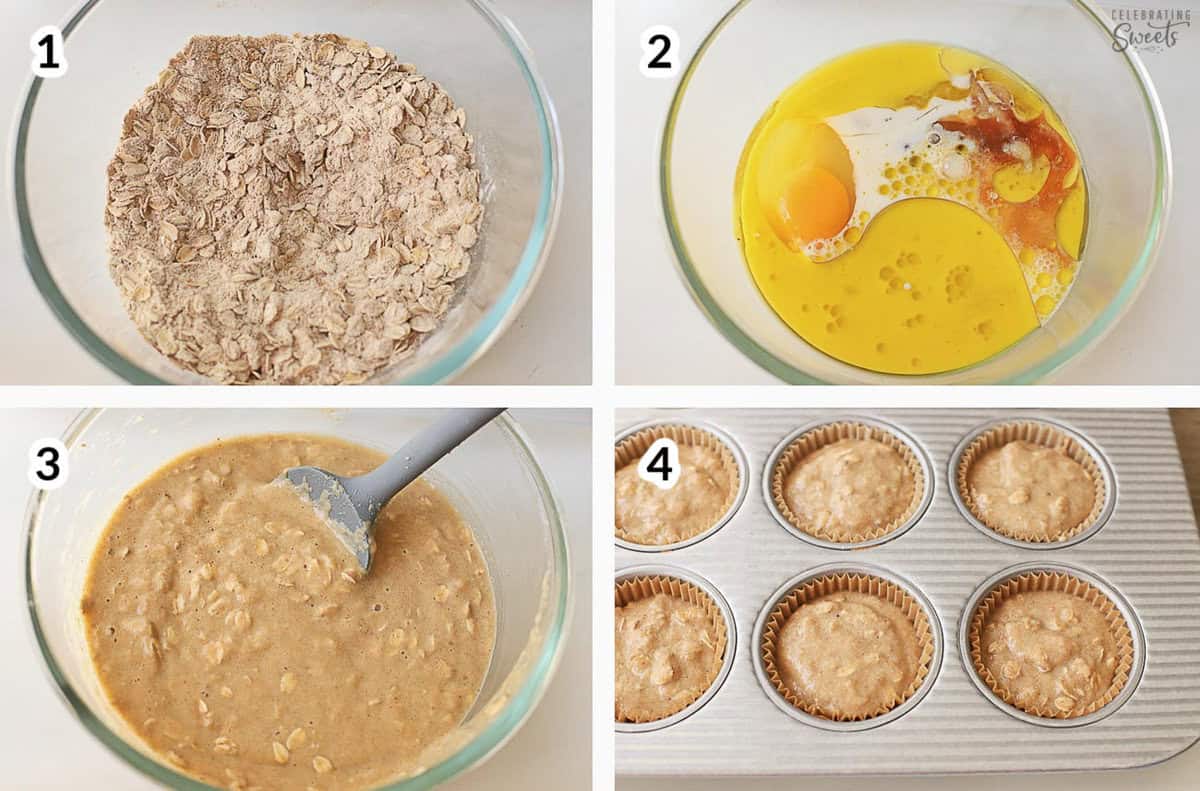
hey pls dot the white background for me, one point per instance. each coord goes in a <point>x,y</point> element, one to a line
<point>559,32</point>
<point>1150,345</point>
<point>43,746</point>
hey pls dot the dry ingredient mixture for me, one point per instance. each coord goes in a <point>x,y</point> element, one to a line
<point>848,655</point>
<point>850,490</point>
<point>648,515</point>
<point>237,637</point>
<point>666,657</point>
<point>1031,492</point>
<point>290,210</point>
<point>1050,651</point>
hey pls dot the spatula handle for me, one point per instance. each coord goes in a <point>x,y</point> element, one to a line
<point>418,455</point>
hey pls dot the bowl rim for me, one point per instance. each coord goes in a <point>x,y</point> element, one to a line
<point>491,738</point>
<point>488,329</point>
<point>1100,326</point>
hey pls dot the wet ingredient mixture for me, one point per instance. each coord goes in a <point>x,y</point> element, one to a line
<point>239,639</point>
<point>848,655</point>
<point>911,208</point>
<point>1051,651</point>
<point>666,657</point>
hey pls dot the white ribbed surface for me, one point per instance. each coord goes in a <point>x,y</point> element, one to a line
<point>1149,551</point>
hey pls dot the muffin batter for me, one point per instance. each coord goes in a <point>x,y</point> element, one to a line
<point>848,655</point>
<point>648,515</point>
<point>666,657</point>
<point>239,639</point>
<point>850,490</point>
<point>1031,492</point>
<point>1050,651</point>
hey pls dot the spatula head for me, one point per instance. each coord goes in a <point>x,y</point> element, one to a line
<point>327,492</point>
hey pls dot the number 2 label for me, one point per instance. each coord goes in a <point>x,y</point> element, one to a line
<point>47,464</point>
<point>659,465</point>
<point>49,58</point>
<point>659,58</point>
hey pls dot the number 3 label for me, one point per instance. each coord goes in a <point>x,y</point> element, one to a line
<point>659,59</point>
<point>660,464</point>
<point>47,464</point>
<point>49,59</point>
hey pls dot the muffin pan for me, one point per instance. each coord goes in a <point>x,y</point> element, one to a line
<point>1144,554</point>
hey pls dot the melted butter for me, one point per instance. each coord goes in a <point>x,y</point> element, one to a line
<point>930,287</point>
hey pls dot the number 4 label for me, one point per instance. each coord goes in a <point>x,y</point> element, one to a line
<point>658,52</point>
<point>49,58</point>
<point>47,464</point>
<point>660,464</point>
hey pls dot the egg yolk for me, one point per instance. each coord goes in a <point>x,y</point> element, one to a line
<point>815,205</point>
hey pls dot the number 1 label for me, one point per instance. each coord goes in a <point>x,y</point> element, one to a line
<point>660,464</point>
<point>49,58</point>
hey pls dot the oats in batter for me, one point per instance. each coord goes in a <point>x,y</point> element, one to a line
<point>848,655</point>
<point>237,637</point>
<point>666,657</point>
<point>1051,651</point>
<point>850,490</point>
<point>648,515</point>
<point>1027,491</point>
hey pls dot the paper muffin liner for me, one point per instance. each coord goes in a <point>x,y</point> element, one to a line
<point>631,449</point>
<point>1061,583</point>
<point>634,589</point>
<point>847,582</point>
<point>811,441</point>
<point>1038,433</point>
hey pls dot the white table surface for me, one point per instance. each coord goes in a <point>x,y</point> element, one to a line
<point>42,352</point>
<point>43,746</point>
<point>1147,346</point>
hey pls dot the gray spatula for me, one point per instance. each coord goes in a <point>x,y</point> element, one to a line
<point>353,503</point>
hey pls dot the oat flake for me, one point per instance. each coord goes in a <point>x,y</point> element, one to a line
<point>290,210</point>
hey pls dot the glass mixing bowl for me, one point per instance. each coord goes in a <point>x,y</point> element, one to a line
<point>493,479</point>
<point>1064,48</point>
<point>69,127</point>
